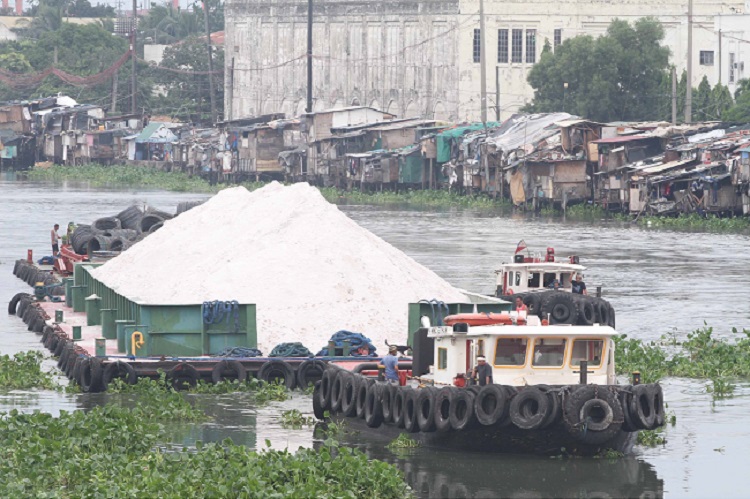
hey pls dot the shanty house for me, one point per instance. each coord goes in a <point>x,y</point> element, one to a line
<point>154,143</point>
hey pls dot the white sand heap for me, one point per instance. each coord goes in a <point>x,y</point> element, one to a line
<point>309,268</point>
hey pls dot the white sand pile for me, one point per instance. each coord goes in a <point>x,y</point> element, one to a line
<point>309,268</point>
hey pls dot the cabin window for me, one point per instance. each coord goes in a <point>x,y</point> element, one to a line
<point>549,278</point>
<point>518,278</point>
<point>480,348</point>
<point>534,280</point>
<point>588,350</point>
<point>510,352</point>
<point>565,279</point>
<point>549,352</point>
<point>442,358</point>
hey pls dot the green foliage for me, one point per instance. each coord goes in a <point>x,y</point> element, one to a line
<point>585,210</point>
<point>403,441</point>
<point>696,221</point>
<point>23,371</point>
<point>700,356</point>
<point>651,438</point>
<point>155,400</point>
<point>412,197</point>
<point>740,112</point>
<point>618,76</point>
<point>111,451</point>
<point>294,419</point>
<point>609,454</point>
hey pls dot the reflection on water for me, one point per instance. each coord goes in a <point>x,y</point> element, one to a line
<point>657,280</point>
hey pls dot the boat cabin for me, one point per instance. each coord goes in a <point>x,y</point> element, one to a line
<point>536,273</point>
<point>530,354</point>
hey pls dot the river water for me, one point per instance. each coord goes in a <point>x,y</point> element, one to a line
<point>658,281</point>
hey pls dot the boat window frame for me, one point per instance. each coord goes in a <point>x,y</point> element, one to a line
<point>444,352</point>
<point>565,356</point>
<point>604,353</point>
<point>512,366</point>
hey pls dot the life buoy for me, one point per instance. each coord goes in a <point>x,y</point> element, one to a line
<point>374,406</point>
<point>121,370</point>
<point>348,405</point>
<point>462,415</point>
<point>444,400</point>
<point>183,376</point>
<point>488,319</point>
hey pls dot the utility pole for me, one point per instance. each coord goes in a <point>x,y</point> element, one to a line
<point>497,93</point>
<point>134,62</point>
<point>720,55</point>
<point>230,93</point>
<point>113,105</point>
<point>210,63</point>
<point>309,56</point>
<point>674,95</point>
<point>689,90</point>
<point>483,64</point>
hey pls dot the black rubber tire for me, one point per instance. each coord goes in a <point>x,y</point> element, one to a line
<point>611,322</point>
<point>310,371</point>
<point>348,405</point>
<point>426,409</point>
<point>122,370</point>
<point>38,325</point>
<point>325,388</point>
<point>318,410</point>
<point>337,387</point>
<point>658,404</point>
<point>374,406</point>
<point>529,408</point>
<point>28,314</point>
<point>14,302</point>
<point>592,414</point>
<point>560,307</point>
<point>397,406</point>
<point>624,396</point>
<point>62,359</point>
<point>46,332</point>
<point>60,347</point>
<point>23,304</point>
<point>586,312</point>
<point>72,359</point>
<point>107,223</point>
<point>362,389</point>
<point>389,394</point>
<point>474,389</point>
<point>462,415</point>
<point>228,370</point>
<point>183,376</point>
<point>602,312</point>
<point>491,405</point>
<point>76,376</point>
<point>51,342</point>
<point>554,413</point>
<point>444,400</point>
<point>91,375</point>
<point>533,302</point>
<point>277,369</point>
<point>410,411</point>
<point>641,408</point>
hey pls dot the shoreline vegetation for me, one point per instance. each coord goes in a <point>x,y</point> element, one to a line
<point>116,176</point>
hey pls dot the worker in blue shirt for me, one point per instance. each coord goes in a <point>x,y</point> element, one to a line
<point>390,362</point>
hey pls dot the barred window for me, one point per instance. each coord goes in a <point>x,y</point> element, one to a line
<point>502,45</point>
<point>558,37</point>
<point>707,57</point>
<point>517,46</point>
<point>477,45</point>
<point>530,46</point>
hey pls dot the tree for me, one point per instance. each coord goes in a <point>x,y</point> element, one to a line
<point>721,102</point>
<point>740,112</point>
<point>702,101</point>
<point>618,76</point>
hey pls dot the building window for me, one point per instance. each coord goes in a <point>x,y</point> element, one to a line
<point>707,58</point>
<point>502,45</point>
<point>517,47</point>
<point>558,37</point>
<point>731,67</point>
<point>530,46</point>
<point>477,45</point>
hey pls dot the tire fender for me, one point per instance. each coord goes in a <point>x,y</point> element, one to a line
<point>183,376</point>
<point>277,369</point>
<point>490,404</point>
<point>228,369</point>
<point>426,409</point>
<point>444,400</point>
<point>121,370</point>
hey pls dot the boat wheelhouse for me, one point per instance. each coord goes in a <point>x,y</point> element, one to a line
<point>536,273</point>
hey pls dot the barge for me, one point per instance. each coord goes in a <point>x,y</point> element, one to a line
<point>553,391</point>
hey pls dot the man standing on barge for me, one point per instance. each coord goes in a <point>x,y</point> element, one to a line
<point>390,362</point>
<point>482,372</point>
<point>55,240</point>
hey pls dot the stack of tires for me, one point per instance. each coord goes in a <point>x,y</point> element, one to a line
<point>592,414</point>
<point>561,307</point>
<point>31,274</point>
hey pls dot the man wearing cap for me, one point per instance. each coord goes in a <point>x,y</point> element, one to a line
<point>482,372</point>
<point>390,362</point>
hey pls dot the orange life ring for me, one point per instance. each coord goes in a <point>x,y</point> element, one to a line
<point>487,319</point>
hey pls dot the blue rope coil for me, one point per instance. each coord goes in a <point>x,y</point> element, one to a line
<point>216,312</point>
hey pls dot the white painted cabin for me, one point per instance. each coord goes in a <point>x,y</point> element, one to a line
<point>536,273</point>
<point>529,354</point>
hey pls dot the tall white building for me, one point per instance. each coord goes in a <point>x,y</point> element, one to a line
<point>421,57</point>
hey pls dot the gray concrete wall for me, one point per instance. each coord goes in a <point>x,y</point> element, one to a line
<point>398,56</point>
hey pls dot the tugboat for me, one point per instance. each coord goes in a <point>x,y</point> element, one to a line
<point>545,284</point>
<point>553,390</point>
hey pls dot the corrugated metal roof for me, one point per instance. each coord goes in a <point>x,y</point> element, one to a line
<point>651,170</point>
<point>581,121</point>
<point>623,138</point>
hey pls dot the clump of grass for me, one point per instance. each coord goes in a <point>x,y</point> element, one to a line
<point>651,438</point>
<point>295,419</point>
<point>695,221</point>
<point>23,371</point>
<point>426,198</point>
<point>403,441</point>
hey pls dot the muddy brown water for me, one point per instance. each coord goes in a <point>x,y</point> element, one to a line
<point>659,282</point>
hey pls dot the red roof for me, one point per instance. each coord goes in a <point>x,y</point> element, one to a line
<point>623,138</point>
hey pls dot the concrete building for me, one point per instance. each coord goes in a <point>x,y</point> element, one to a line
<point>421,57</point>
